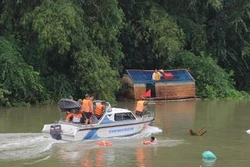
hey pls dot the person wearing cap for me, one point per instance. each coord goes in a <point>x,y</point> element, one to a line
<point>161,71</point>
<point>87,109</point>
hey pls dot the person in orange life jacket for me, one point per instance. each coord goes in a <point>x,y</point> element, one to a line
<point>156,76</point>
<point>87,109</point>
<point>69,116</point>
<point>100,109</point>
<point>77,117</point>
<point>73,116</point>
<point>140,107</point>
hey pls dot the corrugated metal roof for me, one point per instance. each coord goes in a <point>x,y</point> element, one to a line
<point>145,76</point>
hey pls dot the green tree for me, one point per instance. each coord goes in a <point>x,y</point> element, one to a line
<point>151,37</point>
<point>74,42</point>
<point>229,40</point>
<point>19,81</point>
<point>217,27</point>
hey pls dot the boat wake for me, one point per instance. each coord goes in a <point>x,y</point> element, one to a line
<point>144,135</point>
<point>18,146</point>
<point>23,146</point>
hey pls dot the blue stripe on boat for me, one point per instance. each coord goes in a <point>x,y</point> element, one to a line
<point>91,134</point>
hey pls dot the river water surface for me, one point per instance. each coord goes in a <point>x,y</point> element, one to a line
<point>226,122</point>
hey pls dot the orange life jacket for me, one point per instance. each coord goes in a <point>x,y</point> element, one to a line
<point>104,143</point>
<point>69,116</point>
<point>86,105</point>
<point>99,109</point>
<point>140,106</point>
<point>77,117</point>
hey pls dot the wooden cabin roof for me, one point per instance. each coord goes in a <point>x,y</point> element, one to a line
<point>145,76</point>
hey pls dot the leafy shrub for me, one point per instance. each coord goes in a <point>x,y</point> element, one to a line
<point>211,80</point>
<point>19,81</point>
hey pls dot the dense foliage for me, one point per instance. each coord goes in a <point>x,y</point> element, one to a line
<point>55,48</point>
<point>212,81</point>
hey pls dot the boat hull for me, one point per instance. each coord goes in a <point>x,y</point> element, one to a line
<point>71,132</point>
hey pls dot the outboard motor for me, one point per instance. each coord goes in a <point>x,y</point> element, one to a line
<point>56,131</point>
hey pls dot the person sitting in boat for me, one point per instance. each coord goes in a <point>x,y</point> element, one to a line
<point>69,116</point>
<point>99,110</point>
<point>152,141</point>
<point>77,117</point>
<point>74,116</point>
<point>141,106</point>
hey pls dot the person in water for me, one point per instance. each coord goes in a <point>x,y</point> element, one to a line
<point>152,141</point>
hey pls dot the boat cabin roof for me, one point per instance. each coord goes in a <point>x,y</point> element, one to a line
<point>69,105</point>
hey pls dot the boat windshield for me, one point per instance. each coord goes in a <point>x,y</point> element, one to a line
<point>124,116</point>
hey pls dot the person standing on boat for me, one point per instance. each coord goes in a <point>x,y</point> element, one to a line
<point>156,76</point>
<point>140,107</point>
<point>87,108</point>
<point>100,109</point>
